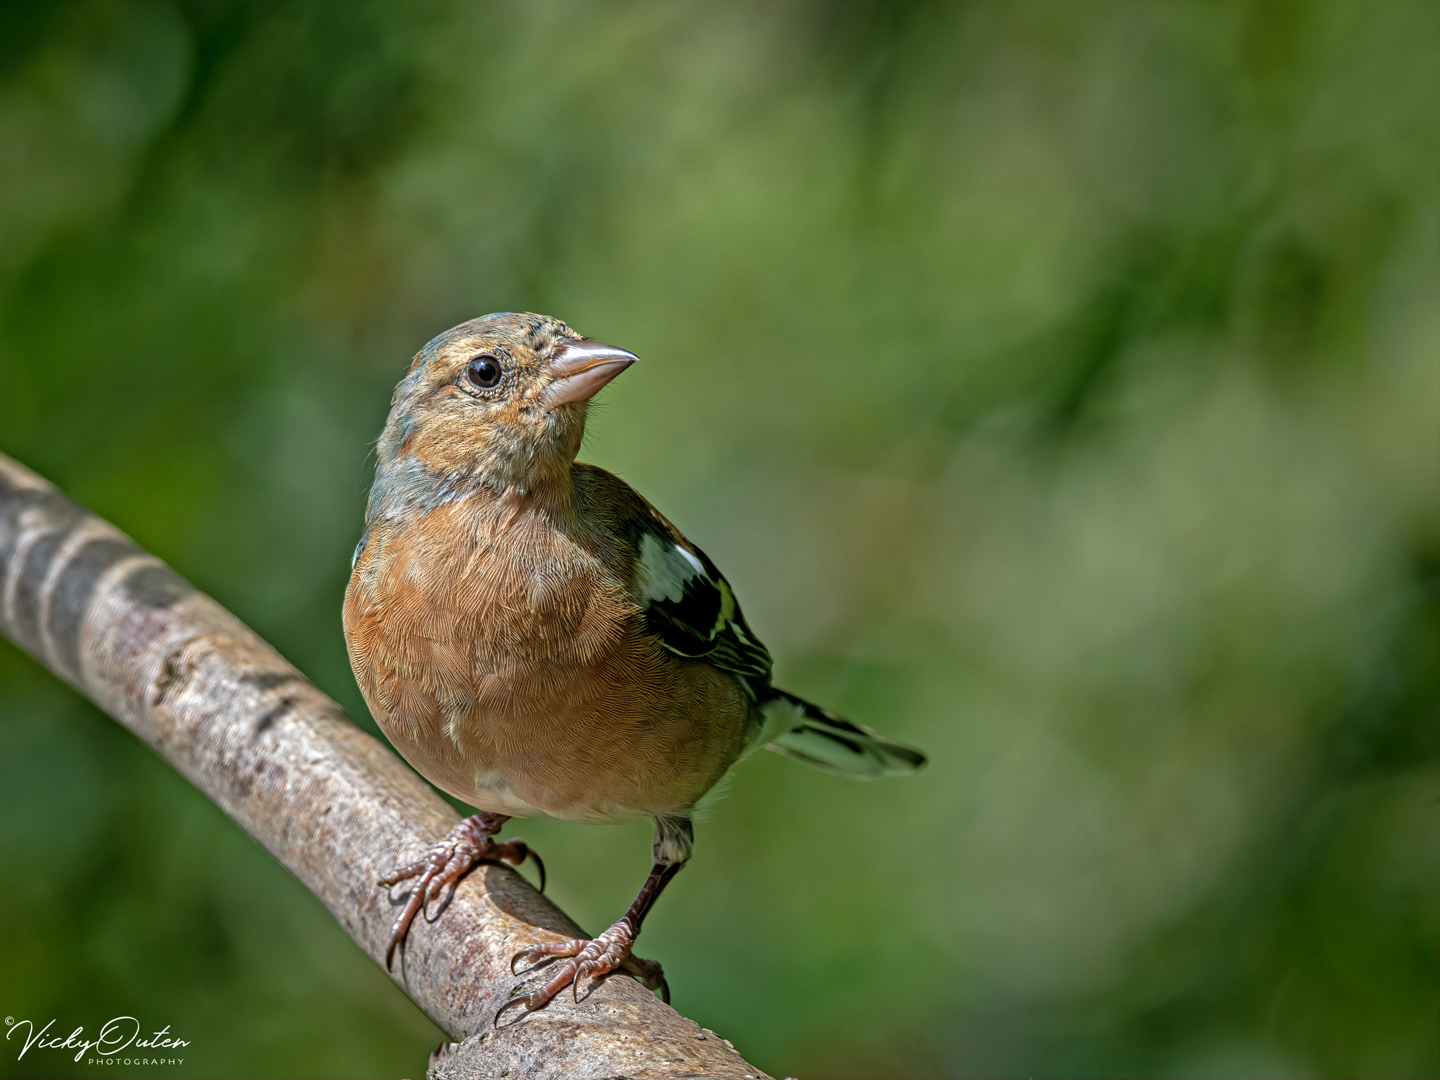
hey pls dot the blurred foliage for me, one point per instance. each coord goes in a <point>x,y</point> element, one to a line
<point>1056,382</point>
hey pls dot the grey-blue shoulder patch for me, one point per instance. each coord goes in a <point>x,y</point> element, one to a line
<point>406,486</point>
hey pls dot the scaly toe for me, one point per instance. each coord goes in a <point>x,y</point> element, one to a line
<point>440,871</point>
<point>585,960</point>
<point>546,949</point>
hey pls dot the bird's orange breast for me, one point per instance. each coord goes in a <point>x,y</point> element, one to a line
<point>507,662</point>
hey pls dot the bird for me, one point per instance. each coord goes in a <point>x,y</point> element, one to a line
<point>535,638</point>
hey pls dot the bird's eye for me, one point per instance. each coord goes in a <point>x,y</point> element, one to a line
<point>485,372</point>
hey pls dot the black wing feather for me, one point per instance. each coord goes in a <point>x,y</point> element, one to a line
<point>691,608</point>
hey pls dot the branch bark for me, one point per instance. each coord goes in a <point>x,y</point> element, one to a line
<point>336,807</point>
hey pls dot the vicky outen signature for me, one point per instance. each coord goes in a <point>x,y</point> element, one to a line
<point>119,1035</point>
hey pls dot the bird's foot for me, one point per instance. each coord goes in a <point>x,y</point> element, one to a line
<point>447,862</point>
<point>587,959</point>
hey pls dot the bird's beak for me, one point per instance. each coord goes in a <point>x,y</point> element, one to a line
<point>580,368</point>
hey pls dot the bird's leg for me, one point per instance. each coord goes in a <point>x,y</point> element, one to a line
<point>674,838</point>
<point>448,861</point>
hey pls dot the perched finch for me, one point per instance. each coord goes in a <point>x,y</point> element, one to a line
<point>536,638</point>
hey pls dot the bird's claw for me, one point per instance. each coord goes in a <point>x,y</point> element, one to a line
<point>523,998</point>
<point>584,960</point>
<point>523,954</point>
<point>442,868</point>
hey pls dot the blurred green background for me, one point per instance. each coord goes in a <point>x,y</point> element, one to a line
<point>1057,383</point>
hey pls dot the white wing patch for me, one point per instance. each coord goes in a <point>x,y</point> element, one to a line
<point>692,610</point>
<point>665,570</point>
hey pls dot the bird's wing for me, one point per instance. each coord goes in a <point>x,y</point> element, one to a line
<point>691,608</point>
<point>688,605</point>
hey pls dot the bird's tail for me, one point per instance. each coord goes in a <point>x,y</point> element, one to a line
<point>796,728</point>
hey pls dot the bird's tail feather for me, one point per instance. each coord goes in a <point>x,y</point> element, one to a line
<point>796,728</point>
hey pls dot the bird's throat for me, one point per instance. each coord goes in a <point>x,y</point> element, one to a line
<point>406,486</point>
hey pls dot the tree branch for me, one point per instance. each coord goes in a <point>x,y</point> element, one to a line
<point>337,808</point>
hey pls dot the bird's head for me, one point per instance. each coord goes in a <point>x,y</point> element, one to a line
<point>501,399</point>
